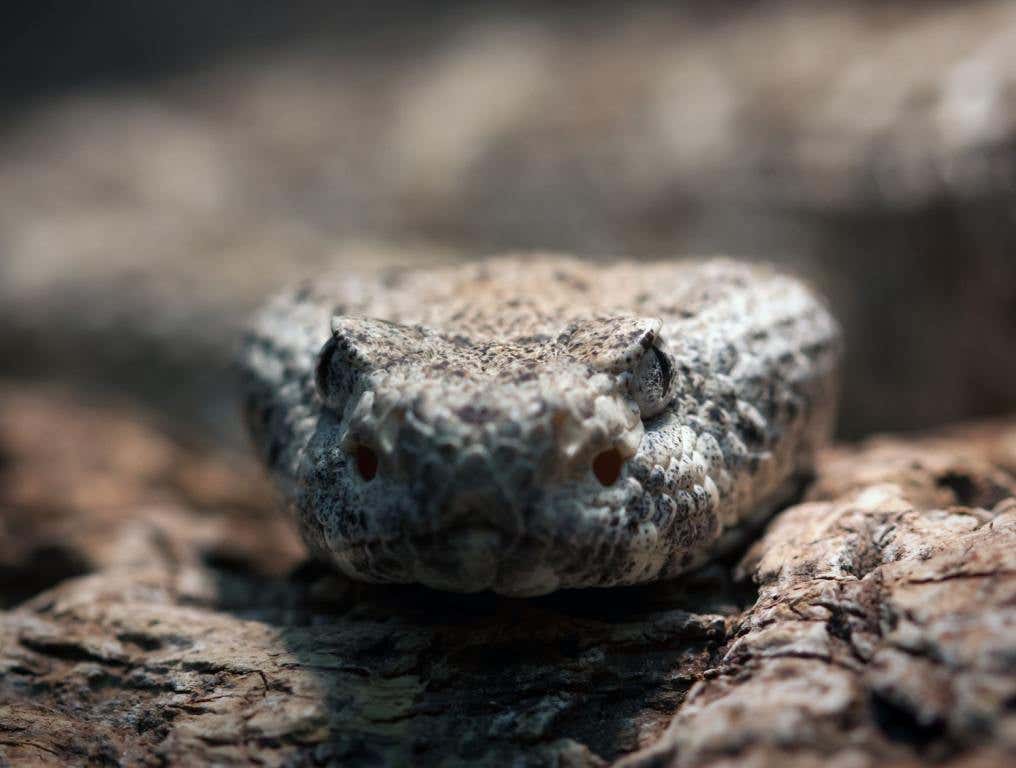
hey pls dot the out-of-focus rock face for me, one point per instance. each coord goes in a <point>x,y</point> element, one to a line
<point>157,613</point>
<point>87,488</point>
<point>871,148</point>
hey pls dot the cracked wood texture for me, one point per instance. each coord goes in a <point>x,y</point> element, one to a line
<point>158,611</point>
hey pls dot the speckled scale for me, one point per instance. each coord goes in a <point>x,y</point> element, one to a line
<point>532,423</point>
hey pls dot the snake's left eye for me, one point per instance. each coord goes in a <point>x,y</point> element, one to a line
<point>651,382</point>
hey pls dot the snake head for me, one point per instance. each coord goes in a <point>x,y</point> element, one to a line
<point>470,456</point>
<point>525,424</point>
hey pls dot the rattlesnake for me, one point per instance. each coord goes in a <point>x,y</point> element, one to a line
<point>524,424</point>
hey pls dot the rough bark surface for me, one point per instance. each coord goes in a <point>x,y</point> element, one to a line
<point>159,612</point>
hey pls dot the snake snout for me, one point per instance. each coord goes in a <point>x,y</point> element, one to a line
<point>470,528</point>
<point>477,498</point>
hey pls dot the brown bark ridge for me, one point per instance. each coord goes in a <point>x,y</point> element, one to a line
<point>159,612</point>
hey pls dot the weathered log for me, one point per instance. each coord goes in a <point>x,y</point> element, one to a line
<point>160,612</point>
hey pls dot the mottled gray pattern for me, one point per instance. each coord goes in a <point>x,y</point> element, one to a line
<point>531,423</point>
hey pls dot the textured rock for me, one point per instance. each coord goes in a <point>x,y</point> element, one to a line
<point>884,627</point>
<point>189,630</point>
<point>87,488</point>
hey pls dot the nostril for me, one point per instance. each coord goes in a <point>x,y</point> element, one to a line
<point>607,466</point>
<point>366,461</point>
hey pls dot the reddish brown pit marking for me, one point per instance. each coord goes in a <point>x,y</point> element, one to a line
<point>607,466</point>
<point>366,462</point>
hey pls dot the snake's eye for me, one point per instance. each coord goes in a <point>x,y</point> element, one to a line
<point>651,382</point>
<point>333,377</point>
<point>321,373</point>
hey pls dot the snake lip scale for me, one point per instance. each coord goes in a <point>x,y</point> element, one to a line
<point>529,423</point>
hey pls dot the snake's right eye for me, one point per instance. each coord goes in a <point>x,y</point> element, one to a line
<point>333,377</point>
<point>652,382</point>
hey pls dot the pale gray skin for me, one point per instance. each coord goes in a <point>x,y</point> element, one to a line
<point>526,424</point>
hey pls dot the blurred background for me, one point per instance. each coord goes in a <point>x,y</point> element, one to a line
<point>164,166</point>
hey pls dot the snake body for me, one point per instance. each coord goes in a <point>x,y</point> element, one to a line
<point>524,424</point>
